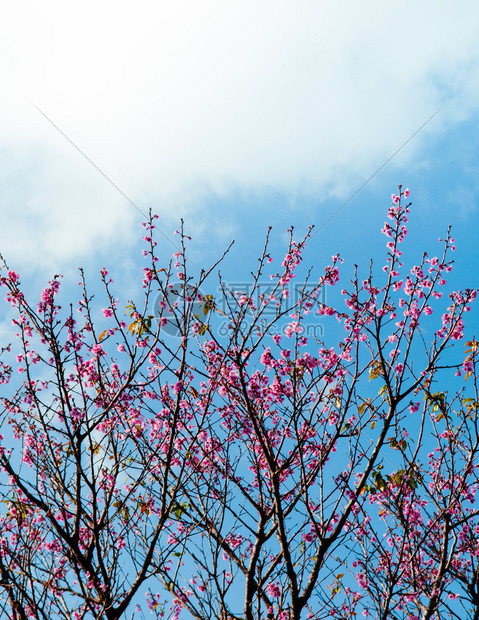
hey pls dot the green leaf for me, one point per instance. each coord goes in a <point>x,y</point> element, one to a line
<point>383,390</point>
<point>436,401</point>
<point>208,304</point>
<point>380,483</point>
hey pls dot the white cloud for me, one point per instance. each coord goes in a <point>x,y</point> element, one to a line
<point>176,100</point>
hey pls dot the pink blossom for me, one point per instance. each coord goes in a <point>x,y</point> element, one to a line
<point>13,275</point>
<point>273,590</point>
<point>97,350</point>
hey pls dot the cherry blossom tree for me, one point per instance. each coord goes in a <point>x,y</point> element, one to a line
<point>204,451</point>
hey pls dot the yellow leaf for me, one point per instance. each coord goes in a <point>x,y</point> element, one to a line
<point>375,371</point>
<point>473,345</point>
<point>95,448</point>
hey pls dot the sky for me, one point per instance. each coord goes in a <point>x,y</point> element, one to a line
<point>233,115</point>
